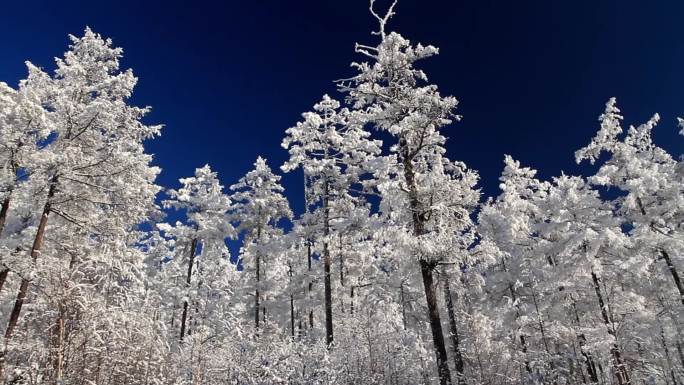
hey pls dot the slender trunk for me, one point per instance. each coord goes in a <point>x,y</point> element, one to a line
<point>674,273</point>
<point>256,293</point>
<point>618,363</point>
<point>403,305</point>
<point>3,277</point>
<point>341,258</point>
<point>292,309</point>
<point>588,359</point>
<point>667,357</point>
<point>523,341</point>
<point>326,266</point>
<point>453,329</point>
<point>23,287</point>
<point>308,252</point>
<point>3,211</point>
<point>351,301</point>
<point>426,269</point>
<point>35,252</point>
<point>311,314</point>
<point>666,257</point>
<point>188,279</point>
<point>58,345</point>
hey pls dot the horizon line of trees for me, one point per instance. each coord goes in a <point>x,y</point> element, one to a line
<point>397,272</point>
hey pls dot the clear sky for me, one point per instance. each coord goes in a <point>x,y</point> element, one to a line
<point>228,77</point>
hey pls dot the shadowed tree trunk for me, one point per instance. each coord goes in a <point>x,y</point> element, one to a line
<point>674,273</point>
<point>453,331</point>
<point>426,268</point>
<point>23,287</point>
<point>618,363</point>
<point>256,292</point>
<point>292,309</point>
<point>668,261</point>
<point>514,298</point>
<point>188,279</point>
<point>3,218</point>
<point>588,359</point>
<point>326,266</point>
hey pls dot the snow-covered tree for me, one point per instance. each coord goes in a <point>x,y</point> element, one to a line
<point>259,205</point>
<point>335,152</point>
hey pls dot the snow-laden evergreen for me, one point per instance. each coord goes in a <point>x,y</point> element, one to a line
<point>396,272</point>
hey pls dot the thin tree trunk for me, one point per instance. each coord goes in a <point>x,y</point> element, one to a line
<point>23,287</point>
<point>403,305</point>
<point>3,218</point>
<point>256,293</point>
<point>523,341</point>
<point>326,266</point>
<point>341,258</point>
<point>667,357</point>
<point>58,345</point>
<point>311,314</point>
<point>308,252</point>
<point>453,329</point>
<point>188,279</point>
<point>618,363</point>
<point>588,359</point>
<point>4,209</point>
<point>674,273</point>
<point>351,301</point>
<point>668,260</point>
<point>426,269</point>
<point>292,309</point>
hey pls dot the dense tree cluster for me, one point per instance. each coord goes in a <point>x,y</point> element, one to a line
<point>397,272</point>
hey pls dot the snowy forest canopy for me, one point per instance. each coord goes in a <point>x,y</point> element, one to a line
<point>397,272</point>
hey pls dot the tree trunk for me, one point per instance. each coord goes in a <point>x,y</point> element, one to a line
<point>188,279</point>
<point>674,273</point>
<point>311,314</point>
<point>588,359</point>
<point>453,329</point>
<point>514,297</point>
<point>256,293</point>
<point>35,252</point>
<point>3,218</point>
<point>326,266</point>
<point>618,363</point>
<point>58,345</point>
<point>666,257</point>
<point>23,287</point>
<point>426,269</point>
<point>292,309</point>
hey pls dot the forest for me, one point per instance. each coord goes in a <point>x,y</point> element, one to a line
<point>398,271</point>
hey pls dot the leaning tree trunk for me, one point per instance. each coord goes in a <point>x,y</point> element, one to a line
<point>427,269</point>
<point>453,329</point>
<point>586,354</point>
<point>668,261</point>
<point>618,362</point>
<point>188,279</point>
<point>674,273</point>
<point>326,266</point>
<point>3,218</point>
<point>23,287</point>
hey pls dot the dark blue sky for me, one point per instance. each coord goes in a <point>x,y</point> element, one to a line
<point>228,77</point>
